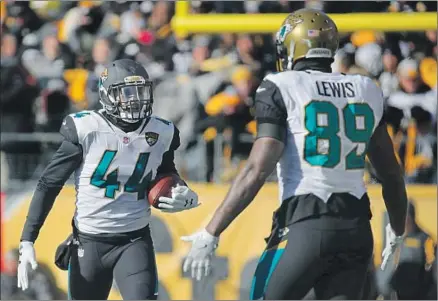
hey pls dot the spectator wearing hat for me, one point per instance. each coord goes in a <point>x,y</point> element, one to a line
<point>412,278</point>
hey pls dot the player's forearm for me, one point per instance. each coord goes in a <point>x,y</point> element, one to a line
<point>244,189</point>
<point>396,201</point>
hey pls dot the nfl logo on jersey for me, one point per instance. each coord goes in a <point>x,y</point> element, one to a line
<point>125,140</point>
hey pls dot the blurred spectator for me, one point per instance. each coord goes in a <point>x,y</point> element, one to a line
<point>229,114</point>
<point>51,60</point>
<point>369,57</point>
<point>431,43</point>
<point>101,54</point>
<point>41,285</point>
<point>388,79</point>
<point>245,51</point>
<point>415,107</point>
<point>413,92</point>
<point>412,278</point>
<point>21,19</point>
<point>18,92</point>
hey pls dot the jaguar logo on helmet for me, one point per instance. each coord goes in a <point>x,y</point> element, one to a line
<point>104,75</point>
<point>284,30</point>
<point>151,138</point>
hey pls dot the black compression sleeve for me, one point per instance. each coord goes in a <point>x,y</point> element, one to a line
<point>66,159</point>
<point>270,111</point>
<point>167,163</point>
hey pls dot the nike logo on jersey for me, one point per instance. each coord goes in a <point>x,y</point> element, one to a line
<point>135,239</point>
<point>260,89</point>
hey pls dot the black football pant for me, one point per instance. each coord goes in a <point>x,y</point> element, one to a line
<point>309,261</point>
<point>128,258</point>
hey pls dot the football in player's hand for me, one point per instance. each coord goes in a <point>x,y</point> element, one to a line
<point>162,186</point>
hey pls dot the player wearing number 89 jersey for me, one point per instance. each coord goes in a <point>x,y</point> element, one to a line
<point>330,120</point>
<point>114,153</point>
<point>317,127</point>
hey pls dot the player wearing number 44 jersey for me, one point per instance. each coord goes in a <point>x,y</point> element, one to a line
<point>114,153</point>
<point>317,127</point>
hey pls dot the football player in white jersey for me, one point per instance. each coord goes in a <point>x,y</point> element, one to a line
<point>114,153</point>
<point>317,127</point>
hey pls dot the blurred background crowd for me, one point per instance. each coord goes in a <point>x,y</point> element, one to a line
<point>52,53</point>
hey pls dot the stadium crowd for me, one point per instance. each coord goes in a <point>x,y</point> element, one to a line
<point>53,52</point>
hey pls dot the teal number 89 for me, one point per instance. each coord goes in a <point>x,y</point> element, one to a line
<point>111,183</point>
<point>329,131</point>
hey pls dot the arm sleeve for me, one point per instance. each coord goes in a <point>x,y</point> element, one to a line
<point>270,111</point>
<point>167,163</point>
<point>66,159</point>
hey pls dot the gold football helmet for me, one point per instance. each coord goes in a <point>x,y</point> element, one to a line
<point>306,33</point>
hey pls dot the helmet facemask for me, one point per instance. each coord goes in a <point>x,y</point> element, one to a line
<point>131,101</point>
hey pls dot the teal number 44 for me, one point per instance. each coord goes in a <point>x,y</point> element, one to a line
<point>111,183</point>
<point>329,131</point>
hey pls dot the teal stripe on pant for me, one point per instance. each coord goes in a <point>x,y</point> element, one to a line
<point>68,283</point>
<point>266,266</point>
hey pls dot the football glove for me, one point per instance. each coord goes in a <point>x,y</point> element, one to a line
<point>201,253</point>
<point>393,243</point>
<point>183,198</point>
<point>26,264</point>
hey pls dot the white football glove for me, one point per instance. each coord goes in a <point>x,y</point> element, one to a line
<point>183,198</point>
<point>26,264</point>
<point>393,243</point>
<point>201,253</point>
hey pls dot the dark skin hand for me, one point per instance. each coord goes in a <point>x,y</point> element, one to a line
<point>382,157</point>
<point>264,155</point>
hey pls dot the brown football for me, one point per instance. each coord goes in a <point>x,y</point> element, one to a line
<point>162,186</point>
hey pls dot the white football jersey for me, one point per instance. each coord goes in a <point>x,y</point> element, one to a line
<point>330,120</point>
<point>111,183</point>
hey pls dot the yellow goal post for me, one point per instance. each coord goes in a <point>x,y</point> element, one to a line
<point>184,23</point>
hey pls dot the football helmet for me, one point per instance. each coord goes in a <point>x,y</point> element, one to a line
<point>125,91</point>
<point>306,33</point>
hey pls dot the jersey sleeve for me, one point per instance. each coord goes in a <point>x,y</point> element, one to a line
<point>270,111</point>
<point>68,130</point>
<point>376,98</point>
